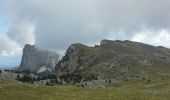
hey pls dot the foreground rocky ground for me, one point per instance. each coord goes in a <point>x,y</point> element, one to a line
<point>12,89</point>
<point>51,80</point>
<point>8,75</point>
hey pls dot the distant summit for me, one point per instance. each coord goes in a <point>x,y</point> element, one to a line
<point>37,60</point>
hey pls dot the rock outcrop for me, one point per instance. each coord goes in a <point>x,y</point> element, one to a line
<point>75,59</point>
<point>117,60</point>
<point>35,59</point>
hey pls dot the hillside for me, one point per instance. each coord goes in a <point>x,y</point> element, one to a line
<point>113,70</point>
<point>117,61</point>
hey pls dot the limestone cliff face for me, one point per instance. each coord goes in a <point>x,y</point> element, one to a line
<point>33,59</point>
<point>76,59</point>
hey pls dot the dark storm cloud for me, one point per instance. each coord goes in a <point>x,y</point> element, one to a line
<point>58,23</point>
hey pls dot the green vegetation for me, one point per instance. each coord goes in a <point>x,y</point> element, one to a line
<point>124,70</point>
<point>127,91</point>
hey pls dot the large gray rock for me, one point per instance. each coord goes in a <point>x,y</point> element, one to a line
<point>38,60</point>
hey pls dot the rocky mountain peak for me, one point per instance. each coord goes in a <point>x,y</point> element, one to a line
<point>28,47</point>
<point>34,58</point>
<point>75,59</point>
<point>111,42</point>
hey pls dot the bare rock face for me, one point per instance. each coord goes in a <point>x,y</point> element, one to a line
<point>75,59</point>
<point>33,59</point>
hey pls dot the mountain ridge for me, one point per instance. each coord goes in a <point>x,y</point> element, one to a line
<point>119,60</point>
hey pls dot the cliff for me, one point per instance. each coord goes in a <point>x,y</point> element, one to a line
<point>38,60</point>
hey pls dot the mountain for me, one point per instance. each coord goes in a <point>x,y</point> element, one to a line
<point>38,60</point>
<point>117,60</point>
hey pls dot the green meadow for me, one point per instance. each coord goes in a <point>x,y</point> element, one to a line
<point>127,91</point>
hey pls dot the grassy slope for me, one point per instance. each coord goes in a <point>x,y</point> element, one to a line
<point>129,91</point>
<point>128,58</point>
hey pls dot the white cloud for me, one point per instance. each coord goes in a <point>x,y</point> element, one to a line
<point>8,47</point>
<point>158,38</point>
<point>162,38</point>
<point>14,40</point>
<point>55,24</point>
<point>22,33</point>
<point>140,37</point>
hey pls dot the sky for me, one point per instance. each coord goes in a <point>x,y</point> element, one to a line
<point>55,24</point>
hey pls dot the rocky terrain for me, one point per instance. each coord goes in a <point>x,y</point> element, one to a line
<point>38,60</point>
<point>110,63</point>
<point>117,61</point>
<point>7,75</point>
